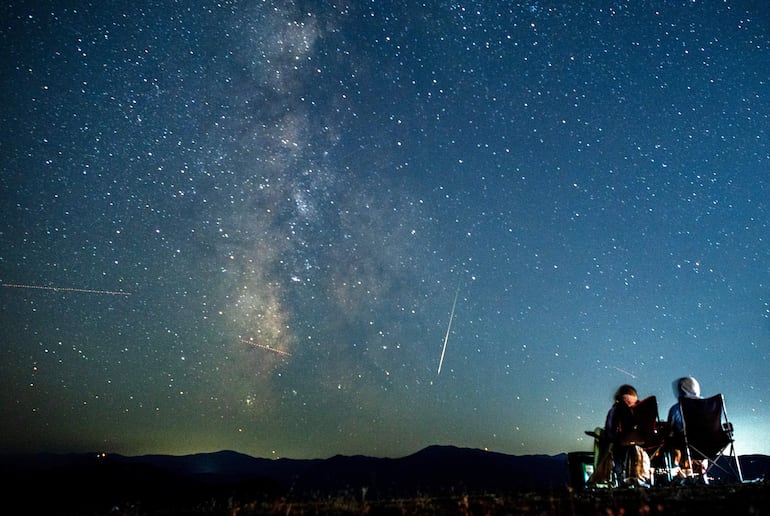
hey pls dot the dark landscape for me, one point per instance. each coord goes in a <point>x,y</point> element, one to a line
<point>435,480</point>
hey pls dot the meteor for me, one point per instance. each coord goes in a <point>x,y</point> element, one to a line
<point>448,329</point>
<point>266,347</point>
<point>67,289</point>
<point>624,372</point>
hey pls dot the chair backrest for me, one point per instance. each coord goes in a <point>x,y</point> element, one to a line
<point>644,417</point>
<point>705,424</point>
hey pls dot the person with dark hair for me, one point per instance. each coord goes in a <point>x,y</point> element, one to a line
<point>619,458</point>
<point>630,461</point>
<point>619,422</point>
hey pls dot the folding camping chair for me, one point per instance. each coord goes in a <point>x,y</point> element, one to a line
<point>647,435</point>
<point>644,433</point>
<point>645,430</point>
<point>708,434</point>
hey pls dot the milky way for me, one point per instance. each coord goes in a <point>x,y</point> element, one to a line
<point>285,198</point>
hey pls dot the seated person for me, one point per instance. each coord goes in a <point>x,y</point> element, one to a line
<point>621,432</point>
<point>685,387</point>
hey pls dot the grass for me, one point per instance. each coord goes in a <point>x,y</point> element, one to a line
<point>735,500</point>
<point>748,499</point>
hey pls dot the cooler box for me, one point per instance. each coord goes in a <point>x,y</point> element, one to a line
<point>580,466</point>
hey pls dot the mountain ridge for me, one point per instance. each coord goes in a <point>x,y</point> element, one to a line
<point>436,469</point>
<point>428,468</point>
<point>215,482</point>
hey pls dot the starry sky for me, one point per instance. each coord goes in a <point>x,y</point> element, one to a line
<point>244,225</point>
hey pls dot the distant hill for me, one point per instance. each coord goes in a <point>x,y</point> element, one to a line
<point>432,469</point>
<point>104,480</point>
<point>755,467</point>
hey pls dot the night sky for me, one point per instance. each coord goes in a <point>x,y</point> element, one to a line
<point>243,224</point>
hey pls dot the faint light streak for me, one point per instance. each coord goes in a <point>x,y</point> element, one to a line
<point>67,289</point>
<point>624,372</point>
<point>448,328</point>
<point>266,347</point>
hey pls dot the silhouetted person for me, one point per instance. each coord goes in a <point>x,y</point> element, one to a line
<point>685,387</point>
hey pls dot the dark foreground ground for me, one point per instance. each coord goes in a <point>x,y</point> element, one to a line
<point>434,481</point>
<point>731,500</point>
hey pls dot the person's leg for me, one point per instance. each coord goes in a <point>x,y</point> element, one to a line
<point>619,464</point>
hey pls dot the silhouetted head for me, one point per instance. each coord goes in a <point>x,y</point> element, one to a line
<point>686,387</point>
<point>627,394</point>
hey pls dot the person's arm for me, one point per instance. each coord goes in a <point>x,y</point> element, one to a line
<point>610,425</point>
<point>675,419</point>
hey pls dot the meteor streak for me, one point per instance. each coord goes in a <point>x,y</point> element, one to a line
<point>448,329</point>
<point>624,372</point>
<point>67,289</point>
<point>266,347</point>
